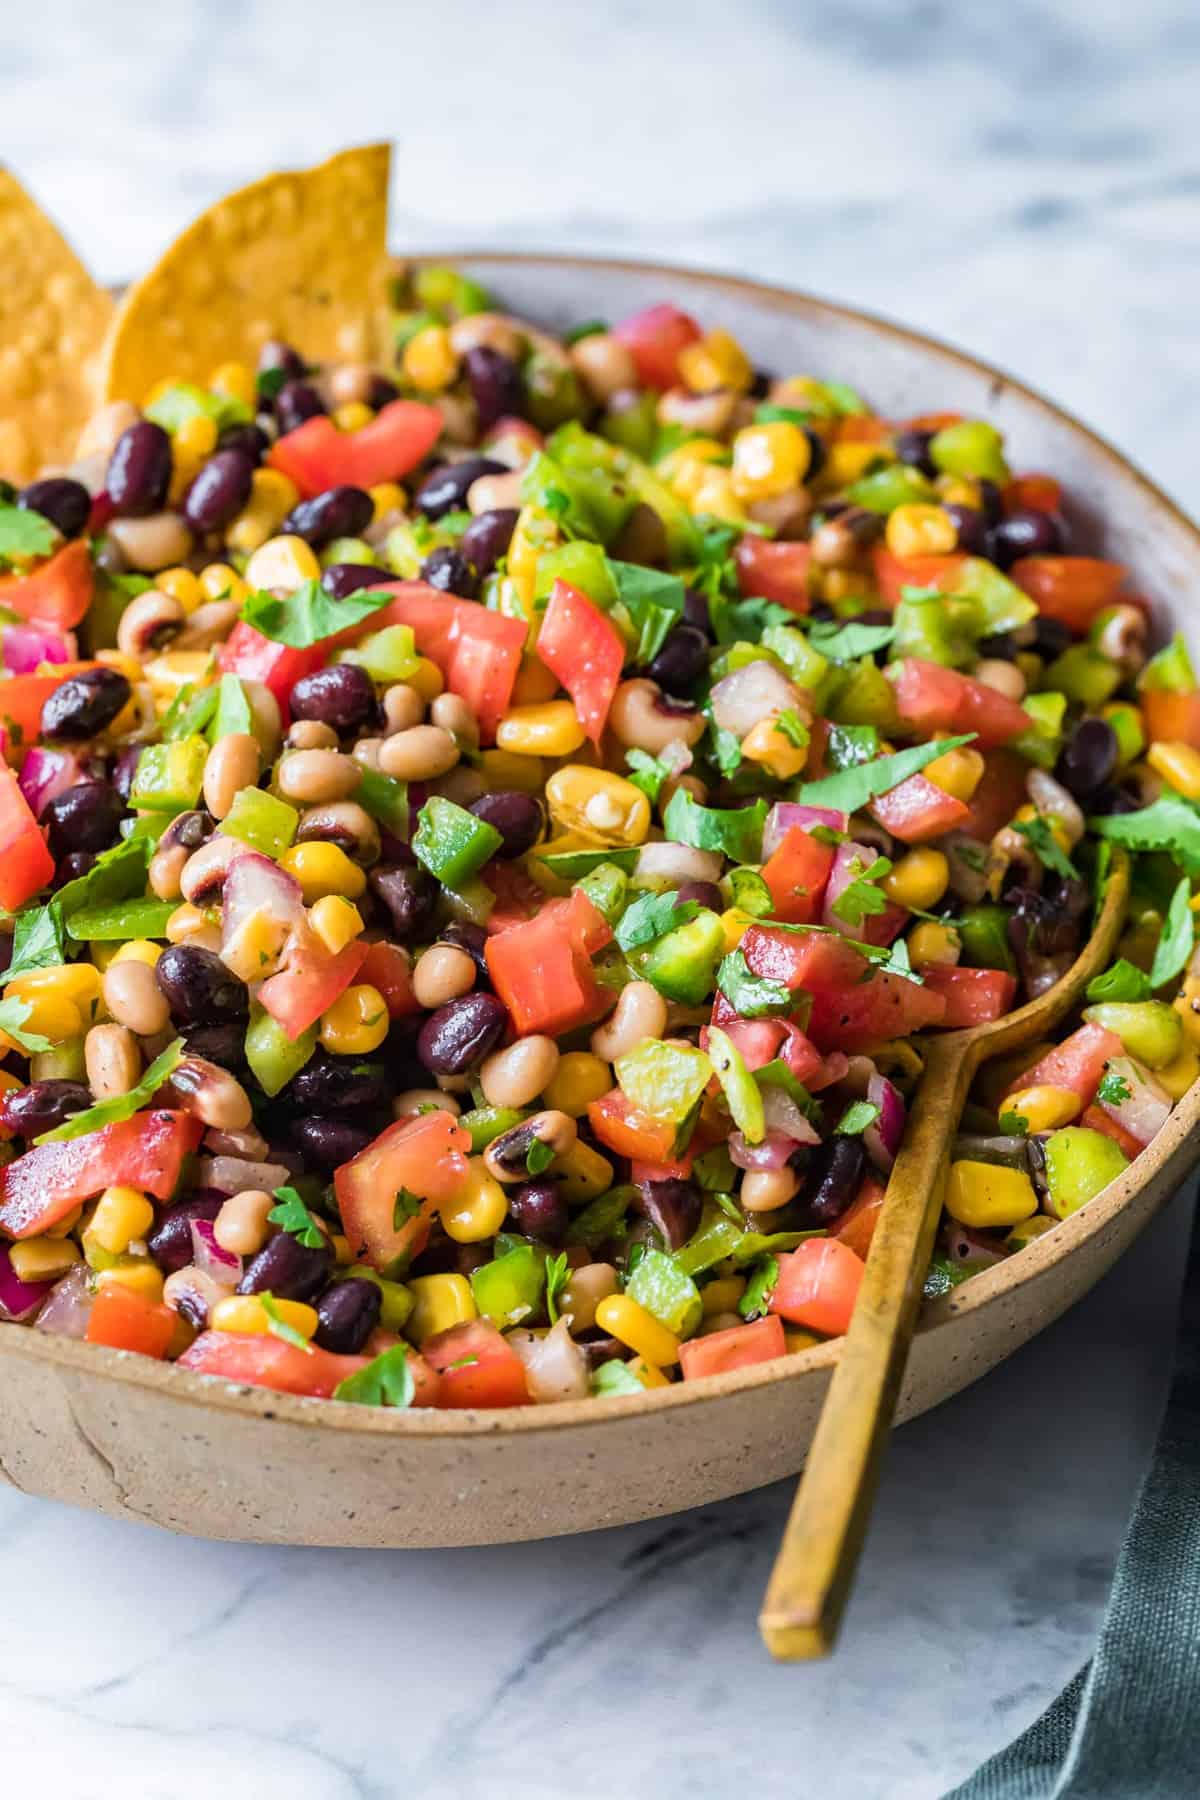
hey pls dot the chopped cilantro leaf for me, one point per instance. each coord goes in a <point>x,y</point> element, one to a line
<point>1114,1089</point>
<point>752,996</point>
<point>1046,847</point>
<point>856,1119</point>
<point>385,1381</point>
<point>1178,936</point>
<point>278,1326</point>
<point>558,1273</point>
<point>294,1216</point>
<point>24,535</point>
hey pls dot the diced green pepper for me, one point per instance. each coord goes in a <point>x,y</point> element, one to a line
<point>683,964</point>
<point>508,1289</point>
<point>261,820</point>
<point>404,550</point>
<point>581,563</point>
<point>1000,605</point>
<point>628,479</point>
<point>387,655</point>
<point>886,489</point>
<point>665,1079</point>
<point>615,1377</point>
<point>1126,723</point>
<point>716,1237</point>
<point>347,550</point>
<point>487,1122</point>
<point>972,447</point>
<point>273,1056</point>
<point>606,888</point>
<point>445,291</point>
<point>1085,675</point>
<point>1079,1163</point>
<point>385,799</point>
<point>168,777</point>
<point>864,696</point>
<point>805,665</point>
<point>1170,670</point>
<point>452,843</point>
<point>983,933</point>
<point>1042,743</point>
<point>632,426</point>
<point>740,1088</point>
<point>396,1301</point>
<point>602,1218</point>
<point>553,393</point>
<point>934,626</point>
<point>1149,1029</point>
<point>662,1287</point>
<point>118,923</point>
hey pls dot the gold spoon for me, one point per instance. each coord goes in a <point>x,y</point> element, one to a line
<point>814,1569</point>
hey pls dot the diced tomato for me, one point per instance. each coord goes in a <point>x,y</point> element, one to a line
<point>389,968</point>
<point>859,428</point>
<point>25,862</point>
<point>126,1320</point>
<point>778,571</point>
<point>259,1359</point>
<point>1170,718</point>
<point>317,455</point>
<point>803,960</point>
<point>309,984</point>
<point>757,1041</point>
<point>518,896</point>
<point>253,657</point>
<point>1071,589</point>
<point>796,874</point>
<point>654,337</point>
<point>895,573</point>
<point>542,969</point>
<point>427,1157</point>
<point>972,996</point>
<point>936,699</point>
<point>918,810</point>
<point>1096,1119</point>
<point>641,1136</point>
<point>929,421</point>
<point>818,1285</point>
<point>856,1227</point>
<point>582,646</point>
<point>477,1366</point>
<point>1000,792</point>
<point>738,1348</point>
<point>852,1006</point>
<point>477,651</point>
<point>59,592</point>
<point>678,1169</point>
<point>1077,1063</point>
<point>146,1151</point>
<point>1031,493</point>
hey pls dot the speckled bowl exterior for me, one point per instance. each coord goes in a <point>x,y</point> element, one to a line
<point>139,1440</point>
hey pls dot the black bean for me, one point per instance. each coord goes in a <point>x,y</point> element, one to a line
<point>296,402</point>
<point>1050,637</point>
<point>673,1207</point>
<point>974,537</point>
<point>912,447</point>
<point>170,1243</point>
<point>381,392</point>
<point>42,1106</point>
<point>84,705</point>
<point>445,490</point>
<point>465,935</point>
<point>998,646</point>
<point>495,383</point>
<point>340,512</point>
<point>704,893</point>
<point>460,1034</point>
<point>83,817</point>
<point>327,1143</point>
<point>538,1210</point>
<point>336,1084</point>
<point>139,470</point>
<point>287,1269</point>
<point>251,440</point>
<point>832,1179</point>
<point>487,538</point>
<point>681,661</point>
<point>409,895</point>
<point>199,989</point>
<point>516,816</point>
<point>224,1045</point>
<point>124,770</point>
<point>448,569</point>
<point>66,503</point>
<point>219,492</point>
<point>1113,799</point>
<point>695,611</point>
<point>341,579</point>
<point>275,354</point>
<point>642,539</point>
<point>342,696</point>
<point>71,866</point>
<point>1024,533</point>
<point>1087,761</point>
<point>991,501</point>
<point>347,1314</point>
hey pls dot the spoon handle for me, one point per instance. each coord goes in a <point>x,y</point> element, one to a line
<point>824,1535</point>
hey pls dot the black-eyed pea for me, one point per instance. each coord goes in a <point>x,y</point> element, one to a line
<point>366,752</point>
<point>166,868</point>
<point>134,998</point>
<point>507,1156</point>
<point>242,1226</point>
<point>420,754</point>
<point>210,624</point>
<point>643,718</point>
<point>491,493</point>
<point>517,1075</point>
<point>112,1061</point>
<point>203,874</point>
<point>487,331</point>
<point>149,623</point>
<point>640,1013</point>
<point>233,764</point>
<point>444,973</point>
<point>212,1093</point>
<point>452,713</point>
<point>311,734</point>
<point>310,777</point>
<point>403,707</point>
<point>605,365</point>
<point>414,1101</point>
<point>158,541</point>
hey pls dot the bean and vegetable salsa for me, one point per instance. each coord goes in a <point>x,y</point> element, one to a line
<point>483,844</point>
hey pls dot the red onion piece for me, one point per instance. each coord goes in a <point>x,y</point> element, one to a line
<point>882,1139</point>
<point>772,1153</point>
<point>69,1307</point>
<point>258,889</point>
<point>24,647</point>
<point>231,1174</point>
<point>786,813</point>
<point>850,861</point>
<point>754,692</point>
<point>210,1259</point>
<point>782,1114</point>
<point>1148,1106</point>
<point>832,1070</point>
<point>45,774</point>
<point>555,1367</point>
<point>19,1299</point>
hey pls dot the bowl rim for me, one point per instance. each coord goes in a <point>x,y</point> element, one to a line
<point>983,1290</point>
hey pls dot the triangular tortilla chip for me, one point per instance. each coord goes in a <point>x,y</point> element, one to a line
<point>300,256</point>
<point>53,319</point>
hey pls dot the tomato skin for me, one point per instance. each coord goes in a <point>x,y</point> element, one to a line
<point>478,652</point>
<point>1077,1063</point>
<point>1071,589</point>
<point>738,1348</point>
<point>918,810</point>
<point>317,455</point>
<point>641,1136</point>
<point>972,996</point>
<point>309,984</point>
<point>1170,718</point>
<point>25,860</point>
<point>259,1359</point>
<point>654,337</point>
<point>428,1156</point>
<point>818,1285</point>
<point>851,1007</point>
<point>772,570</point>
<point>125,1320</point>
<point>856,1227</point>
<point>492,1374</point>
<point>796,874</point>
<point>582,646</point>
<point>389,968</point>
<point>58,593</point>
<point>147,1151</point>
<point>253,657</point>
<point>542,968</point>
<point>1096,1119</point>
<point>894,573</point>
<point>936,699</point>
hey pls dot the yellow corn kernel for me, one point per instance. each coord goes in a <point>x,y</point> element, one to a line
<point>931,944</point>
<point>847,461</point>
<point>386,497</point>
<point>175,669</point>
<point>1188,1009</point>
<point>920,531</point>
<point>336,921</point>
<point>685,467</point>
<point>124,665</point>
<point>53,1016</point>
<point>122,1215</point>
<point>246,1313</point>
<point>439,1301</point>
<point>799,1340</point>
<point>182,585</point>
<point>631,1324</point>
<point>579,1079</point>
<point>218,581</point>
<point>77,981</point>
<point>735,924</point>
<point>1044,1108</point>
<point>717,361</point>
<point>716,495</point>
<point>282,562</point>
<point>918,880</point>
<point>1179,766</point>
<point>599,805</point>
<point>478,1208</point>
<point>980,1195</point>
<point>353,416</point>
<point>429,361</point>
<point>250,529</point>
<point>722,1295</point>
<point>769,459</point>
<point>43,1258</point>
<point>136,1272</point>
<point>136,950</point>
<point>959,490</point>
<point>534,532</point>
<point>1027,1229</point>
<point>236,380</point>
<point>534,683</point>
<point>646,1373</point>
<point>186,921</point>
<point>357,1022</point>
<point>506,769</point>
<point>769,747</point>
<point>323,869</point>
<point>582,1172</point>
<point>426,678</point>
<point>1179,1075</point>
<point>958,772</point>
<point>195,438</point>
<point>272,497</point>
<point>549,729</point>
<point>342,1252</point>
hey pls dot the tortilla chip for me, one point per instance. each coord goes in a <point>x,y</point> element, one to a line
<point>53,320</point>
<point>300,256</point>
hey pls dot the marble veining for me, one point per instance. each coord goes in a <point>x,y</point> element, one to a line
<point>1022,179</point>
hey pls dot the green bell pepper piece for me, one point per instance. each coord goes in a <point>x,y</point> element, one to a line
<point>972,447</point>
<point>396,1300</point>
<point>1079,1163</point>
<point>404,550</point>
<point>615,1377</point>
<point>552,391</point>
<point>606,888</point>
<point>387,655</point>
<point>632,427</point>
<point>583,499</point>
<point>273,1056</point>
<point>386,800</point>
<point>1043,741</point>
<point>452,843</point>
<point>886,489</point>
<point>664,1079</point>
<point>671,1296</point>
<point>447,293</point>
<point>1085,675</point>
<point>581,563</point>
<point>739,1086</point>
<point>806,666</point>
<point>1149,1029</point>
<point>628,479</point>
<point>716,1237</point>
<point>169,777</point>
<point>508,1289</point>
<point>487,1122</point>
<point>983,932</point>
<point>683,964</point>
<point>347,550</point>
<point>937,627</point>
<point>864,696</point>
<point>999,604</point>
<point>602,1218</point>
<point>1126,722</point>
<point>1170,670</point>
<point>261,820</point>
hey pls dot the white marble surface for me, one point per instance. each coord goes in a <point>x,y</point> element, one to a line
<point>1021,178</point>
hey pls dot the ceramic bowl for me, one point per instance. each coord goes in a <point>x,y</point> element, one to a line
<point>137,1439</point>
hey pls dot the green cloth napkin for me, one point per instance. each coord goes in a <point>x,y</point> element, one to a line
<point>1128,1726</point>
